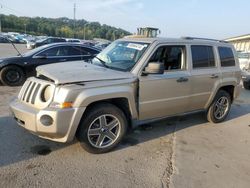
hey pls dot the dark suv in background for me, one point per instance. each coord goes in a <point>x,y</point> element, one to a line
<point>48,40</point>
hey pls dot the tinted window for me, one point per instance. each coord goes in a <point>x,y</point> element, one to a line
<point>203,56</point>
<point>226,57</point>
<point>59,40</point>
<point>55,52</point>
<point>173,57</point>
<point>77,50</point>
<point>90,50</point>
<point>48,40</point>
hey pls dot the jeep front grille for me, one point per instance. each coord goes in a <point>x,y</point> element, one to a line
<point>29,93</point>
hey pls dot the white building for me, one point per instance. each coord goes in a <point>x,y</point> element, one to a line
<point>241,43</point>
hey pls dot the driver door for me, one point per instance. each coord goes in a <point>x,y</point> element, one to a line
<point>162,95</point>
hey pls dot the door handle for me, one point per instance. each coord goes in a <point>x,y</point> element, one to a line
<point>213,76</point>
<point>182,79</point>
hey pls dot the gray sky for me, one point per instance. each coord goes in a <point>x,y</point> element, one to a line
<point>202,18</point>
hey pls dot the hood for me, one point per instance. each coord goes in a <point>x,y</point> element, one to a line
<point>14,59</point>
<point>79,71</point>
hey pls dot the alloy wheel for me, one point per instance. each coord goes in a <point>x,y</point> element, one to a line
<point>104,131</point>
<point>221,107</point>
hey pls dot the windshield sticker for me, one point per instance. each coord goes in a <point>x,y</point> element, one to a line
<point>136,46</point>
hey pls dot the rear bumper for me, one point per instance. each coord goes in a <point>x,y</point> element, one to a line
<point>62,128</point>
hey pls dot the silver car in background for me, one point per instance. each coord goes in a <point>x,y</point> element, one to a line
<point>244,61</point>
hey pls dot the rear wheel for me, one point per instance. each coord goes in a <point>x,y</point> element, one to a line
<point>220,107</point>
<point>102,128</point>
<point>12,76</point>
<point>246,85</point>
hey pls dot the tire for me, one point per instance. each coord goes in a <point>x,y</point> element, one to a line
<point>96,127</point>
<point>246,85</point>
<point>219,110</point>
<point>12,76</point>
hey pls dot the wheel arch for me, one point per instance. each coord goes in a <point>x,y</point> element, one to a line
<point>121,102</point>
<point>15,65</point>
<point>230,88</point>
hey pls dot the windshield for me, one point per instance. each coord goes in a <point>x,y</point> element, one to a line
<point>34,51</point>
<point>121,55</point>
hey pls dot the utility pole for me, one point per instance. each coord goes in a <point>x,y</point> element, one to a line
<point>25,30</point>
<point>74,20</point>
<point>84,30</point>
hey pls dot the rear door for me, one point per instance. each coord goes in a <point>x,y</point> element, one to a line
<point>205,75</point>
<point>165,94</point>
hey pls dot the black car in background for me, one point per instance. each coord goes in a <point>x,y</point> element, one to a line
<point>15,70</point>
<point>4,40</point>
<point>48,40</point>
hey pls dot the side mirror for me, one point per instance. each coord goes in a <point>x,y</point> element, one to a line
<point>40,57</point>
<point>154,68</point>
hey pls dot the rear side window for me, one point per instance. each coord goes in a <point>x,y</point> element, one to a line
<point>203,56</point>
<point>226,57</point>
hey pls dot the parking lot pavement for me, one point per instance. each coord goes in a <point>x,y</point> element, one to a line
<point>7,50</point>
<point>207,155</point>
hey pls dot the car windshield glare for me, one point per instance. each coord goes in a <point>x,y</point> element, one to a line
<point>121,55</point>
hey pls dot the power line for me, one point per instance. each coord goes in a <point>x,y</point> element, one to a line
<point>11,9</point>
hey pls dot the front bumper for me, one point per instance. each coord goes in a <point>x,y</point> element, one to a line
<point>62,128</point>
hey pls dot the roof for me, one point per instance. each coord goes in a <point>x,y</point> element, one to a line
<point>70,44</point>
<point>241,37</point>
<point>177,40</point>
<point>154,28</point>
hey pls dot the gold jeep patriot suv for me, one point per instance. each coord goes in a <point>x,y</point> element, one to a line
<point>131,82</point>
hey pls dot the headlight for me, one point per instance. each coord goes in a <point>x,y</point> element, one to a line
<point>46,93</point>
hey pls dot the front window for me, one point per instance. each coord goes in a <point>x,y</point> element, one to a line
<point>173,57</point>
<point>121,55</point>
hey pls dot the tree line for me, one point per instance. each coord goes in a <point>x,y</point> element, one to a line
<point>60,27</point>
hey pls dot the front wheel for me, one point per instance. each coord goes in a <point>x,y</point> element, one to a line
<point>102,128</point>
<point>220,107</point>
<point>12,76</point>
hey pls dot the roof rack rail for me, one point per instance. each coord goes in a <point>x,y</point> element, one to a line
<point>197,38</point>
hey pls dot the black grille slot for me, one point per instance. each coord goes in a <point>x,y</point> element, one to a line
<point>26,90</point>
<point>35,93</point>
<point>30,91</point>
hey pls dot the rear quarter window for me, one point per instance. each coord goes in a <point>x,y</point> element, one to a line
<point>226,57</point>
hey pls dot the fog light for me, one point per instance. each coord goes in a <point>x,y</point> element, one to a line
<point>46,120</point>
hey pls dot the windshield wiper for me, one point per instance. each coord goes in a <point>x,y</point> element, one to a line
<point>102,62</point>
